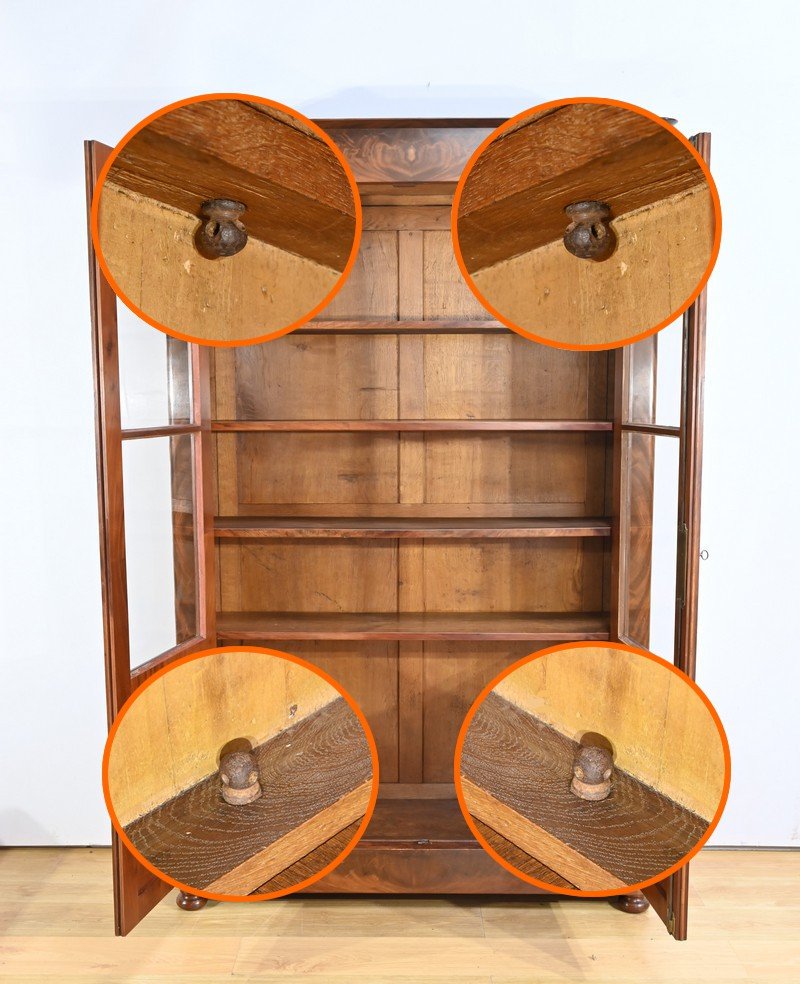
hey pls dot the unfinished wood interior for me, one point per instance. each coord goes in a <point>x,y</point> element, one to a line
<point>300,219</point>
<point>515,778</point>
<point>172,734</point>
<point>315,770</point>
<point>411,498</point>
<point>317,780</point>
<point>661,730</point>
<point>511,221</point>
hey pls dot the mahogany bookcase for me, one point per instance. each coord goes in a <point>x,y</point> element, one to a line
<point>405,493</point>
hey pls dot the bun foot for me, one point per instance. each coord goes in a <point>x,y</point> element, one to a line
<point>633,903</point>
<point>190,903</point>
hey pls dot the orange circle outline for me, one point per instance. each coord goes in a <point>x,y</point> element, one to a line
<point>241,898</point>
<point>211,97</point>
<point>549,886</point>
<point>567,345</point>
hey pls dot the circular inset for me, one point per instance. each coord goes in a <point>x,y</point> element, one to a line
<point>586,223</point>
<point>240,774</point>
<point>592,770</point>
<point>226,219</point>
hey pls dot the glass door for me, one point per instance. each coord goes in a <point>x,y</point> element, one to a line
<point>155,498</point>
<point>656,545</point>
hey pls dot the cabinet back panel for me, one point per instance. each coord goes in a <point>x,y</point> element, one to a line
<point>487,377</point>
<point>545,575</point>
<point>444,292</point>
<point>322,576</point>
<point>371,290</point>
<point>307,377</point>
<point>453,676</point>
<point>368,672</point>
<point>313,468</point>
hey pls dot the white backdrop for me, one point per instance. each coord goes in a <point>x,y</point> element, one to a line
<point>90,69</point>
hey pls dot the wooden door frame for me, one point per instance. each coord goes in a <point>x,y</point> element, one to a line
<point>136,889</point>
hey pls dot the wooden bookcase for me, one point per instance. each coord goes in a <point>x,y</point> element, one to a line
<point>411,497</point>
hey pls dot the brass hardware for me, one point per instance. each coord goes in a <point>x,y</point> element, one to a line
<point>589,235</point>
<point>222,232</point>
<point>591,772</point>
<point>238,772</point>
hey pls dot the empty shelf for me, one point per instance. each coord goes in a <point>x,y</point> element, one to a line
<point>256,527</point>
<point>414,626</point>
<point>399,426</point>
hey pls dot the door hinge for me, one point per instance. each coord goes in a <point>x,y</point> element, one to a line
<point>682,564</point>
<point>671,923</point>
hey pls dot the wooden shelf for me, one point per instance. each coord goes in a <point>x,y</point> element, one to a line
<point>578,426</point>
<point>349,326</point>
<point>258,527</point>
<point>414,626</point>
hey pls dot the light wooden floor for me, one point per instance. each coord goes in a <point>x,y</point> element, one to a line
<point>56,925</point>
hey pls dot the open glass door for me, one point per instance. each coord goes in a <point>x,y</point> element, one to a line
<point>156,514</point>
<point>658,449</point>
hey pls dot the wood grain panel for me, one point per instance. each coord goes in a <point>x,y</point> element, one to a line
<point>315,468</point>
<point>312,376</point>
<point>495,376</point>
<point>370,291</point>
<point>519,859</point>
<point>172,735</point>
<point>445,293</point>
<point>661,730</point>
<point>663,251</point>
<point>149,247</point>
<point>540,470</point>
<point>550,574</point>
<point>333,576</point>
<point>314,528</point>
<point>454,675</point>
<point>368,671</point>
<point>516,773</point>
<point>297,194</point>
<point>316,777</point>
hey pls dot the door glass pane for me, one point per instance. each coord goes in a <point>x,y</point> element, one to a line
<point>154,377</point>
<point>159,544</point>
<point>655,374</point>
<point>650,540</point>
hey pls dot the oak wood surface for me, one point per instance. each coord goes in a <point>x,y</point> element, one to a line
<point>171,737</point>
<point>662,254</point>
<point>297,195</point>
<point>516,772</point>
<point>662,732</point>
<point>316,778</point>
<point>150,251</point>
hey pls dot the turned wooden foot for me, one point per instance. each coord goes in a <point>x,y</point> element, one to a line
<point>190,903</point>
<point>633,903</point>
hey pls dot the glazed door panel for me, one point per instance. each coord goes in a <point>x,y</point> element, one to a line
<point>659,461</point>
<point>156,514</point>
